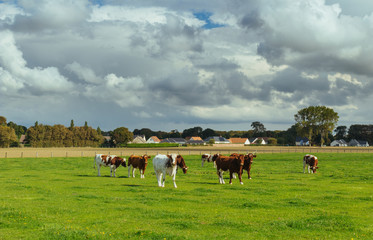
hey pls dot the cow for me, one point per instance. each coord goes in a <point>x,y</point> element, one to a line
<point>111,161</point>
<point>311,162</point>
<point>139,162</point>
<point>247,164</point>
<point>207,157</point>
<point>232,163</point>
<point>168,164</point>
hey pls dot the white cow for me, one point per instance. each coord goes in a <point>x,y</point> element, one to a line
<point>111,161</point>
<point>167,164</point>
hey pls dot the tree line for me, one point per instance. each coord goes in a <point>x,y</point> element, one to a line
<point>315,122</point>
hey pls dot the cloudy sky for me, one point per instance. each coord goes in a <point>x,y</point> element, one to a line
<point>170,65</point>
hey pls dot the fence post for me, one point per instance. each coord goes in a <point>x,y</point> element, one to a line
<point>21,154</point>
<point>66,154</point>
<point>36,154</point>
<point>6,154</point>
<point>51,154</point>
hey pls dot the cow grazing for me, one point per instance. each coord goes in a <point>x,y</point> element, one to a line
<point>139,162</point>
<point>311,162</point>
<point>111,161</point>
<point>167,164</point>
<point>232,163</point>
<point>207,158</point>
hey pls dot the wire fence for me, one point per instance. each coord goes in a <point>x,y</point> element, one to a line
<point>91,152</point>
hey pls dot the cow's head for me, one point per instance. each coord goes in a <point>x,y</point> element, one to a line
<point>122,161</point>
<point>241,159</point>
<point>315,167</point>
<point>181,163</point>
<point>146,157</point>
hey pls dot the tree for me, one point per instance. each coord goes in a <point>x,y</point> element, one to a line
<point>208,132</point>
<point>121,136</point>
<point>7,136</point>
<point>315,120</point>
<point>2,120</point>
<point>71,125</point>
<point>259,129</point>
<point>341,132</point>
<point>361,132</point>
<point>192,132</point>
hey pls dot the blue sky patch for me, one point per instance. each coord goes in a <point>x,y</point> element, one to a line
<point>205,16</point>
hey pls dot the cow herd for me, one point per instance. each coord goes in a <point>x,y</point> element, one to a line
<point>168,164</point>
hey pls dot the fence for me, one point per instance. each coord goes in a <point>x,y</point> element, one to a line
<point>90,152</point>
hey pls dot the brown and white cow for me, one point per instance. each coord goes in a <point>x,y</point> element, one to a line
<point>207,158</point>
<point>232,163</point>
<point>139,162</point>
<point>111,161</point>
<point>168,164</point>
<point>311,162</point>
<point>248,162</point>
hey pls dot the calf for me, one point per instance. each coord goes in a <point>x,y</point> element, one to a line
<point>168,164</point>
<point>111,161</point>
<point>139,162</point>
<point>311,162</point>
<point>232,163</point>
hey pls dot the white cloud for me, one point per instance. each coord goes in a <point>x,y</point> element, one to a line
<point>37,80</point>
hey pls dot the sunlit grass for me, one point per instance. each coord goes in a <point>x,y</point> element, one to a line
<point>62,198</point>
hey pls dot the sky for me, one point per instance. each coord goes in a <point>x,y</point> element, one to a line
<point>168,65</point>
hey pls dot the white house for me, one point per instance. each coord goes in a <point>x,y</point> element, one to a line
<point>153,139</point>
<point>302,141</point>
<point>339,143</point>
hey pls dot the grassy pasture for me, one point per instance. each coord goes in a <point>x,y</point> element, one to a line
<point>62,198</point>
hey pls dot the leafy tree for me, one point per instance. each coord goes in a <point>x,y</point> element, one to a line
<point>121,136</point>
<point>361,132</point>
<point>208,132</point>
<point>316,120</point>
<point>7,136</point>
<point>71,124</point>
<point>192,132</point>
<point>259,129</point>
<point>99,132</point>
<point>2,120</point>
<point>341,132</point>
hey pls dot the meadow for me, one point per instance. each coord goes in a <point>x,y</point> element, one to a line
<point>62,198</point>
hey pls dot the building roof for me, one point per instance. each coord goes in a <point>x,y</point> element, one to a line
<point>238,140</point>
<point>154,138</point>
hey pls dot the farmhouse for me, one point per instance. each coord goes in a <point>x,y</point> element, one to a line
<point>244,141</point>
<point>217,140</point>
<point>358,143</point>
<point>302,141</point>
<point>153,139</point>
<point>258,140</point>
<point>139,139</point>
<point>174,140</point>
<point>339,143</point>
<point>195,141</point>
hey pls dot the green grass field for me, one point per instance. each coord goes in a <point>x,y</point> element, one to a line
<point>62,198</point>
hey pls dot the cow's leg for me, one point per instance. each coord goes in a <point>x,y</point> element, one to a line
<point>240,177</point>
<point>142,173</point>
<point>218,173</point>
<point>234,176</point>
<point>133,172</point>
<point>304,166</point>
<point>308,167</point>
<point>203,161</point>
<point>163,177</point>
<point>98,170</point>
<point>230,177</point>
<point>174,178</point>
<point>129,171</point>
